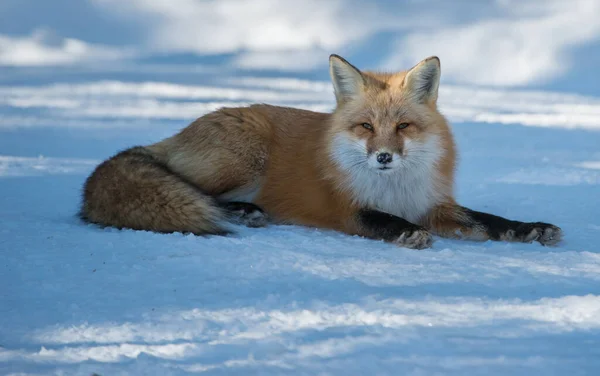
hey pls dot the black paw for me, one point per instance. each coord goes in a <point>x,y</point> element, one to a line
<point>415,238</point>
<point>544,233</point>
<point>245,213</point>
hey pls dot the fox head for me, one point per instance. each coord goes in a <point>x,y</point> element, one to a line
<point>386,123</point>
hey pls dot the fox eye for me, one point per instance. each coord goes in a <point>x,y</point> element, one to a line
<point>367,126</point>
<point>402,125</point>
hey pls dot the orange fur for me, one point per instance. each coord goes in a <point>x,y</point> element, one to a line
<point>300,167</point>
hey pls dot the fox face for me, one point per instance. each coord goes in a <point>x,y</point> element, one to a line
<point>388,140</point>
<point>385,123</point>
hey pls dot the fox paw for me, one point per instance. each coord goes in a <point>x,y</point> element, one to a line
<point>246,214</point>
<point>544,233</point>
<point>417,238</point>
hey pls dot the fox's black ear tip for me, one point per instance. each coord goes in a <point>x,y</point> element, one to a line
<point>433,58</point>
<point>335,56</point>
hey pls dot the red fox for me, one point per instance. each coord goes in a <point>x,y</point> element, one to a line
<point>380,166</point>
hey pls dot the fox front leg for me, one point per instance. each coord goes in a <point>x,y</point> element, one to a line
<point>498,228</point>
<point>375,224</point>
<point>452,220</point>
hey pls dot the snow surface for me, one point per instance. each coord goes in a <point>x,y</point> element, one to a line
<point>76,299</point>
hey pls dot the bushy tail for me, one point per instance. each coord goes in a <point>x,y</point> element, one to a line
<point>135,190</point>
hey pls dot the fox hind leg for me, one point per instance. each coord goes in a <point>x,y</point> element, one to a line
<point>245,213</point>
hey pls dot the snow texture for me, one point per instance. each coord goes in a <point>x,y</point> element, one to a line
<point>76,299</point>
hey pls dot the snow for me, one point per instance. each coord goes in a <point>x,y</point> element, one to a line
<point>518,86</point>
<point>76,299</point>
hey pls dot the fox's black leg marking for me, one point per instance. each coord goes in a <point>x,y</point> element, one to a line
<point>498,228</point>
<point>388,227</point>
<point>245,213</point>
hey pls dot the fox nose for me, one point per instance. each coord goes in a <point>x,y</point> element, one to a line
<point>384,158</point>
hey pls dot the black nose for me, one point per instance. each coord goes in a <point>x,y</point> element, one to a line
<point>384,158</point>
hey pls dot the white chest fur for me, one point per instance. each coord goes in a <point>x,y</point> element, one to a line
<point>408,195</point>
<point>409,190</point>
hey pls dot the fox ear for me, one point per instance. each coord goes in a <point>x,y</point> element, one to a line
<point>423,80</point>
<point>347,80</point>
